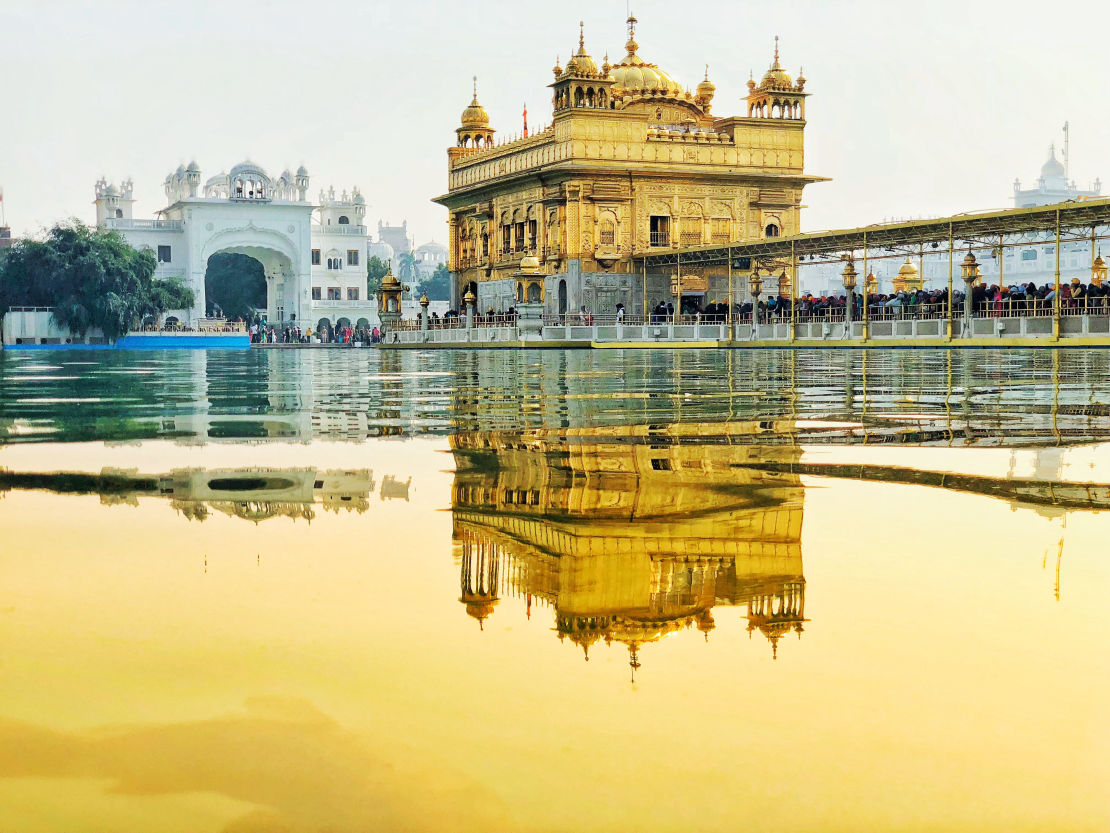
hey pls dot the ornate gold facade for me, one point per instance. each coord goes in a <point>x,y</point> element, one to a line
<point>632,163</point>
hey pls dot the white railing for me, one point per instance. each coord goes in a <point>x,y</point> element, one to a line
<point>341,230</point>
<point>145,225</point>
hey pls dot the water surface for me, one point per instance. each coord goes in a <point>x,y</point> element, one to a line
<point>546,591</point>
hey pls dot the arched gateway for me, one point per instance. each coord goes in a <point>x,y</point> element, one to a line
<point>248,212</point>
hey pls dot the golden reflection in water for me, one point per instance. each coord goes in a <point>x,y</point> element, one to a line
<point>162,674</point>
<point>628,534</point>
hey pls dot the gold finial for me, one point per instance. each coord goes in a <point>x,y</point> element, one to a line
<point>707,72</point>
<point>475,89</point>
<point>581,34</point>
<point>776,49</point>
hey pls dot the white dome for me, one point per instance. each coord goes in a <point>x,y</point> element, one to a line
<point>301,171</point>
<point>380,250</point>
<point>193,167</point>
<point>248,168</point>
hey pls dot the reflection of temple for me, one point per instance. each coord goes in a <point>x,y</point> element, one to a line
<point>630,534</point>
<point>251,494</point>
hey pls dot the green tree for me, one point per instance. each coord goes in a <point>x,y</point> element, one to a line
<point>170,293</point>
<point>236,284</point>
<point>438,285</point>
<point>91,278</point>
<point>406,267</point>
<point>375,271</point>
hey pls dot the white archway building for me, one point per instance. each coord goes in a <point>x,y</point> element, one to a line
<point>245,211</point>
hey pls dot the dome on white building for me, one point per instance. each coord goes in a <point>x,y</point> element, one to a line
<point>380,250</point>
<point>248,168</point>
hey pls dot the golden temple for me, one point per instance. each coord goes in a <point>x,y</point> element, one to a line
<point>632,163</point>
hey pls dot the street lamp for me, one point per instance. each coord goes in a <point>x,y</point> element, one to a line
<point>848,276</point>
<point>755,284</point>
<point>969,271</point>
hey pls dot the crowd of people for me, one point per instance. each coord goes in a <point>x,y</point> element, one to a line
<point>262,332</point>
<point>993,300</point>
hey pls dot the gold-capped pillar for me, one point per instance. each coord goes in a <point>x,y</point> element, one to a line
<point>389,300</point>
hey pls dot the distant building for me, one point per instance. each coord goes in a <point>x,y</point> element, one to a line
<point>1034,263</point>
<point>1052,186</point>
<point>397,237</point>
<point>5,237</point>
<point>429,257</point>
<point>313,256</point>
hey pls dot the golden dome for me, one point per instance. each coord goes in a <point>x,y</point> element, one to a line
<point>475,115</point>
<point>389,280</point>
<point>706,88</point>
<point>558,68</point>
<point>908,270</point>
<point>776,77</point>
<point>581,63</point>
<point>635,75</point>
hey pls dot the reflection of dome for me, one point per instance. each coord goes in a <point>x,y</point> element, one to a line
<point>1052,168</point>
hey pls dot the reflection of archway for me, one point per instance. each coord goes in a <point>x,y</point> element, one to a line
<point>234,286</point>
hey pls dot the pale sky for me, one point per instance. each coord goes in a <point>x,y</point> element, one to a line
<point>915,109</point>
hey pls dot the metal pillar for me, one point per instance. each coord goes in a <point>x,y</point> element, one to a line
<point>951,266</point>
<point>1056,293</point>
<point>864,281</point>
<point>793,291</point>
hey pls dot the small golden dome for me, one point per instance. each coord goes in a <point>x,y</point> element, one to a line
<point>706,88</point>
<point>530,263</point>
<point>389,280</point>
<point>557,70</point>
<point>634,75</point>
<point>776,77</point>
<point>1099,262</point>
<point>581,63</point>
<point>475,115</point>
<point>908,270</point>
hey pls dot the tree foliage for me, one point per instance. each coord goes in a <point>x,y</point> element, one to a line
<point>406,267</point>
<point>375,271</point>
<point>236,284</point>
<point>438,285</point>
<point>91,278</point>
<point>170,293</point>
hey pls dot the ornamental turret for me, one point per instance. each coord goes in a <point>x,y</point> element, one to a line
<point>582,85</point>
<point>474,129</point>
<point>777,96</point>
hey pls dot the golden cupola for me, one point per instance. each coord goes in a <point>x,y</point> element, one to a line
<point>908,279</point>
<point>776,78</point>
<point>706,91</point>
<point>634,76</point>
<point>581,64</point>
<point>474,129</point>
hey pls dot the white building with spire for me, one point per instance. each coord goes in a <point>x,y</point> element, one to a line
<point>312,255</point>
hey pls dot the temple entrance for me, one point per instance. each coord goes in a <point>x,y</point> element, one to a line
<point>251,273</point>
<point>234,286</point>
